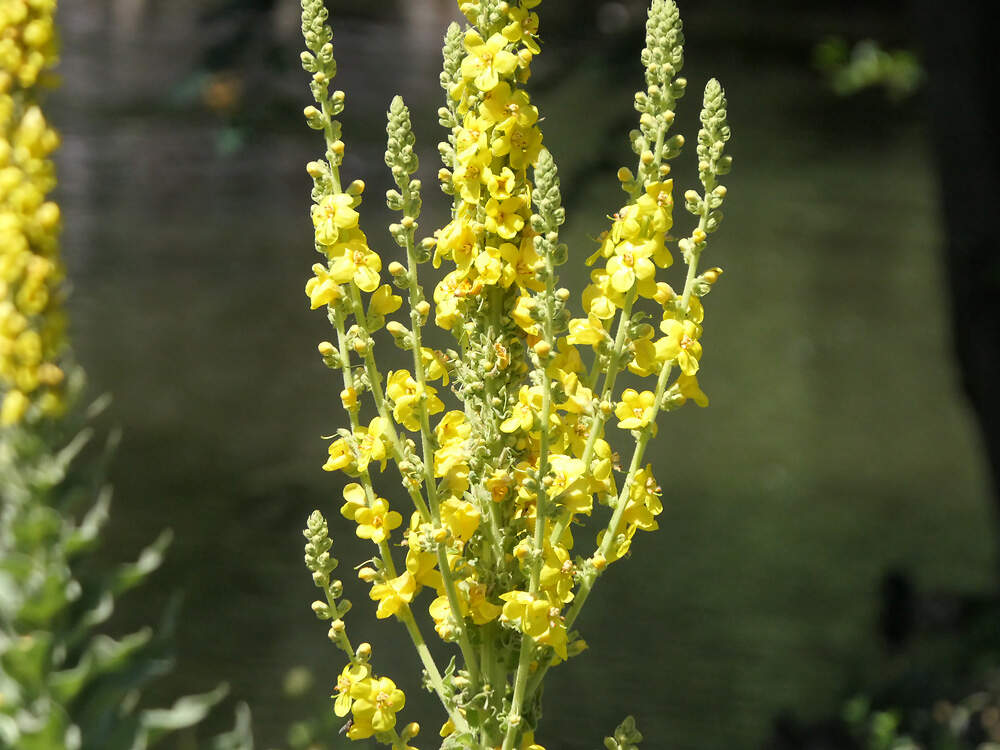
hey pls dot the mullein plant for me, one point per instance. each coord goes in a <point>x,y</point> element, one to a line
<point>63,683</point>
<point>502,488</point>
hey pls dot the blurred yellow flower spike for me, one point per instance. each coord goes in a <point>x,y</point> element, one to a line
<point>509,450</point>
<point>32,323</point>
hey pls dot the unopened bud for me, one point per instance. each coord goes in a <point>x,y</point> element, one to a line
<point>356,188</point>
<point>367,574</point>
<point>712,275</point>
<point>325,348</point>
<point>625,175</point>
<point>410,731</point>
<point>396,329</point>
<point>543,349</point>
<point>599,561</point>
<point>423,308</point>
<point>364,651</point>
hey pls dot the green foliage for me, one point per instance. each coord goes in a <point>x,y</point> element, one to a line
<point>866,65</point>
<point>627,737</point>
<point>64,683</point>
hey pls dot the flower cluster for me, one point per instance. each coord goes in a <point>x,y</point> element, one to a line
<point>499,485</point>
<point>31,274</point>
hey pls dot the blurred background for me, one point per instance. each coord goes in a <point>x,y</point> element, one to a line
<point>828,522</point>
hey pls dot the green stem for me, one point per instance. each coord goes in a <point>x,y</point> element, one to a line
<point>599,417</point>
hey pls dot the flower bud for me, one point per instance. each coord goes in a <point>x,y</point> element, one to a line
<point>364,651</point>
<point>410,731</point>
<point>712,275</point>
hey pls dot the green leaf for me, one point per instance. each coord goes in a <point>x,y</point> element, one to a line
<point>241,735</point>
<point>185,712</point>
<point>85,536</point>
<point>132,574</point>
<point>27,660</point>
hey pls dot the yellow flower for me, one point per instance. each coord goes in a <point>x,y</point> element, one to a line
<point>557,573</point>
<point>384,302</point>
<point>587,331</point>
<point>600,298</point>
<point>444,620</point>
<point>461,517</point>
<point>570,485</point>
<point>470,174</point>
<point>681,343</point>
<point>487,61</point>
<point>635,409</point>
<point>500,184</point>
<point>503,217</point>
<point>521,315</point>
<point>536,618</point>
<point>376,703</point>
<point>480,608</point>
<point>352,674</point>
<point>630,264</point>
<point>521,144</point>
<point>371,447</point>
<point>321,289</point>
<point>523,414</point>
<point>456,241</point>
<point>355,498</point>
<point>331,214</point>
<point>499,484</point>
<point>394,594</point>
<point>409,397</point>
<point>620,545</point>
<point>423,567</point>
<point>341,456</point>
<point>523,28</point>
<point>643,503</point>
<point>688,387</point>
<point>435,365</point>
<point>503,105</point>
<point>15,405</point>
<point>447,297</point>
<point>377,521</point>
<point>359,265</point>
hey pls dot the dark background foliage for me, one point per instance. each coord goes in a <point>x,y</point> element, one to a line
<point>839,446</point>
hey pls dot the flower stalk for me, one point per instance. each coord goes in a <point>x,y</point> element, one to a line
<point>497,485</point>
